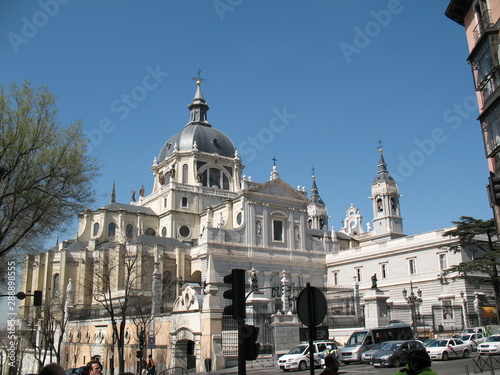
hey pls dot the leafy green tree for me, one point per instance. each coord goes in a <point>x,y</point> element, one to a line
<point>46,173</point>
<point>481,234</point>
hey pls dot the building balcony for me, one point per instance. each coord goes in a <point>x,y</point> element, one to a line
<point>484,23</point>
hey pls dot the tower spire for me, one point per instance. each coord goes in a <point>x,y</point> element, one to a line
<point>316,209</point>
<point>113,194</point>
<point>198,106</point>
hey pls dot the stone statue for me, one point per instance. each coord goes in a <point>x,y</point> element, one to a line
<point>133,195</point>
<point>254,280</point>
<point>374,281</point>
<point>141,192</point>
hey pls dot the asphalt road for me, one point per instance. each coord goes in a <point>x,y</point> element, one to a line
<point>451,367</point>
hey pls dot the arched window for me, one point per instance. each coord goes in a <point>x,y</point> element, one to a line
<point>216,178</point>
<point>129,231</point>
<point>111,229</point>
<point>55,286</point>
<point>96,229</point>
<point>380,206</point>
<point>164,232</point>
<point>150,232</point>
<point>185,170</point>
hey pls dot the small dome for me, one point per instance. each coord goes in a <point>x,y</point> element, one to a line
<point>207,138</point>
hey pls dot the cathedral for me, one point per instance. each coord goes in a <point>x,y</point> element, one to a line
<point>160,260</point>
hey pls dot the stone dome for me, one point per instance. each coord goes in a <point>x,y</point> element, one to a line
<point>207,138</point>
<point>199,130</point>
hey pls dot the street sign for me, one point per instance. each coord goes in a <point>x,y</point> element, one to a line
<point>311,306</point>
<point>320,333</point>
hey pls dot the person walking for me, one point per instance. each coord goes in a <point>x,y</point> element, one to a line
<point>151,366</point>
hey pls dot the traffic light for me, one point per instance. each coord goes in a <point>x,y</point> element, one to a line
<point>141,340</point>
<point>248,334</point>
<point>37,298</point>
<point>138,353</point>
<point>494,189</point>
<point>237,294</point>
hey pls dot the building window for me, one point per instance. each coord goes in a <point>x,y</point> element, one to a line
<point>335,277</point>
<point>442,262</point>
<point>129,232</point>
<point>239,218</point>
<point>358,276</point>
<point>184,202</point>
<point>215,178</point>
<point>164,232</point>
<point>184,231</point>
<point>96,229</point>
<point>111,229</point>
<point>55,286</point>
<point>490,124</point>
<point>383,270</point>
<point>412,266</point>
<point>165,203</point>
<point>278,230</point>
<point>185,169</point>
<point>150,232</point>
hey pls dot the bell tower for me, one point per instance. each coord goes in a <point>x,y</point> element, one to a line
<point>316,209</point>
<point>387,220</point>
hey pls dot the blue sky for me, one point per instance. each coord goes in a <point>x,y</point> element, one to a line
<point>312,83</point>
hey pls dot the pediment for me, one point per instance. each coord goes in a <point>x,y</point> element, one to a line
<point>277,188</point>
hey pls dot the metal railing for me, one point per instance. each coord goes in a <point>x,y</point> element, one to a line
<point>174,371</point>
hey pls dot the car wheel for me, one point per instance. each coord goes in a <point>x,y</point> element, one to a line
<point>445,356</point>
<point>302,366</point>
<point>397,362</point>
<point>466,353</point>
<point>286,370</point>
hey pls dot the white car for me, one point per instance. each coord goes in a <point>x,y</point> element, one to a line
<point>473,339</point>
<point>490,346</point>
<point>448,348</point>
<point>299,359</point>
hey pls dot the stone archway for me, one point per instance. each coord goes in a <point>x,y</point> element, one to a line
<point>185,354</point>
<point>185,349</point>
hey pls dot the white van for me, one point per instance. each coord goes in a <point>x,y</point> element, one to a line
<point>298,358</point>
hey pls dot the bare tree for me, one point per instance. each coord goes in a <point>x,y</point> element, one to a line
<point>45,330</point>
<point>45,172</point>
<point>142,317</point>
<point>118,281</point>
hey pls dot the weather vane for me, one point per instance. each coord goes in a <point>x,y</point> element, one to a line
<point>198,78</point>
<point>379,145</point>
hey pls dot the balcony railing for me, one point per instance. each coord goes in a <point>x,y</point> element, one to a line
<point>483,25</point>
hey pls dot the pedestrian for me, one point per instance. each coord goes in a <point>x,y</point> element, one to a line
<point>52,369</point>
<point>331,365</point>
<point>95,367</point>
<point>419,363</point>
<point>151,366</point>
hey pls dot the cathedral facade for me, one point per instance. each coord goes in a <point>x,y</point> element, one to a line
<point>162,256</point>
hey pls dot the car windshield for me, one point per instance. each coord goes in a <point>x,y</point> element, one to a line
<point>465,337</point>
<point>377,346</point>
<point>438,343</point>
<point>493,339</point>
<point>390,347</point>
<point>298,349</point>
<point>356,338</point>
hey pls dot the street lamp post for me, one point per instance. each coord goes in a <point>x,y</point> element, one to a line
<point>413,300</point>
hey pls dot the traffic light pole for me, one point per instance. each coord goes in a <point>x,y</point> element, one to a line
<point>242,364</point>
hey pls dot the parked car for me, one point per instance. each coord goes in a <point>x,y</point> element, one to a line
<point>473,339</point>
<point>490,346</point>
<point>448,348</point>
<point>298,358</point>
<point>366,357</point>
<point>393,353</point>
